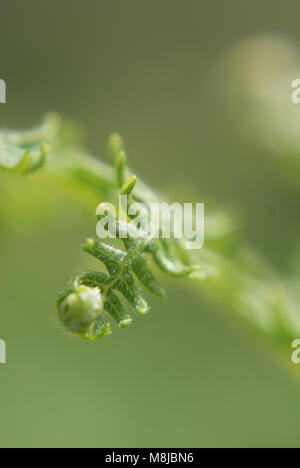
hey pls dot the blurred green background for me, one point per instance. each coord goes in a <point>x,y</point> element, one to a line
<point>185,375</point>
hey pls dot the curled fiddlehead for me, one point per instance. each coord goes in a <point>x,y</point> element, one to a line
<point>92,297</point>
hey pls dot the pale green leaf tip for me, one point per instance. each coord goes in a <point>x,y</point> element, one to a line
<point>144,310</point>
<point>121,160</point>
<point>120,165</point>
<point>125,322</point>
<point>104,332</point>
<point>129,185</point>
<point>115,145</point>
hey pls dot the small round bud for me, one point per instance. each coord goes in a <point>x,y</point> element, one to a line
<point>80,311</point>
<point>90,243</point>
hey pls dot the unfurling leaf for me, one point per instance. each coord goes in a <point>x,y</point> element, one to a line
<point>124,267</point>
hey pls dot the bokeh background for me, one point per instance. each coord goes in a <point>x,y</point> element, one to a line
<point>200,91</point>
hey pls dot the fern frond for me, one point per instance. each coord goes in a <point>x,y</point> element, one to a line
<point>240,280</point>
<point>124,268</point>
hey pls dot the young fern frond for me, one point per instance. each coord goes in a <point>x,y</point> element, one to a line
<point>123,268</point>
<point>237,278</point>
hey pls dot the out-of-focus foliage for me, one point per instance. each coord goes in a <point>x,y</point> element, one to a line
<point>259,73</point>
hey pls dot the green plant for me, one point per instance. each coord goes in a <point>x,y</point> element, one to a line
<point>238,277</point>
<point>90,293</point>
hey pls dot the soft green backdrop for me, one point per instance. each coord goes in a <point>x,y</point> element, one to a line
<point>186,375</point>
